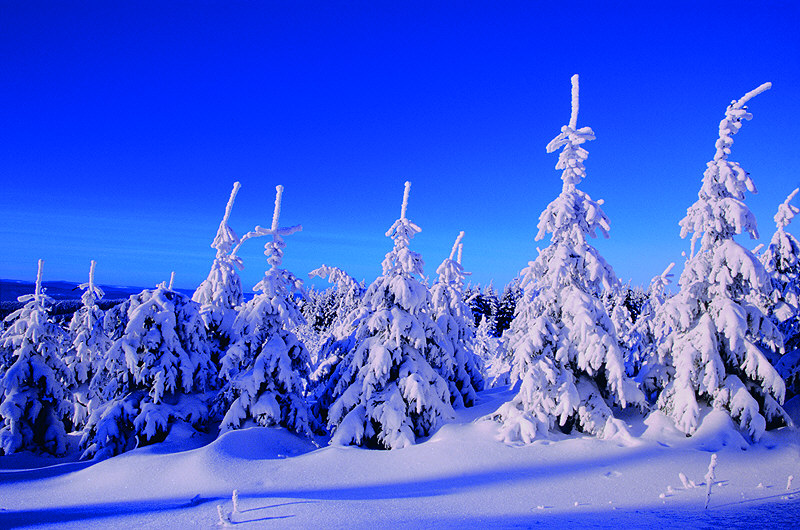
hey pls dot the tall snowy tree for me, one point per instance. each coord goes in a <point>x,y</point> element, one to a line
<point>265,367</point>
<point>718,319</point>
<point>87,353</point>
<point>455,320</point>
<point>220,293</point>
<point>565,347</point>
<point>156,372</point>
<point>781,259</point>
<point>34,380</point>
<point>385,392</point>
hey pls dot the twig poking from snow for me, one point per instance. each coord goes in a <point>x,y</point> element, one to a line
<point>573,119</point>
<point>405,200</point>
<point>224,518</point>
<point>710,478</point>
<point>789,482</point>
<point>235,500</point>
<point>750,95</point>
<point>276,214</point>
<point>687,484</point>
<point>171,280</point>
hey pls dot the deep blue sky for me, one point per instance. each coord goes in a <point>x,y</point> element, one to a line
<point>124,124</point>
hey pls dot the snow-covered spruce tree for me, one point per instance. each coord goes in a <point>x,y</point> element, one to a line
<point>265,367</point>
<point>652,375</point>
<point>87,353</point>
<point>718,320</point>
<point>157,371</point>
<point>34,399</point>
<point>494,355</point>
<point>455,320</point>
<point>220,293</point>
<point>565,347</point>
<point>341,307</point>
<point>346,295</point>
<point>385,392</point>
<point>624,305</point>
<point>781,259</point>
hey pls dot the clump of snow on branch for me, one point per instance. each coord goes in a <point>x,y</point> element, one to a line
<point>565,348</point>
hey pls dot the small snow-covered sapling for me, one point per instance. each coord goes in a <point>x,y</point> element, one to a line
<point>710,478</point>
<point>224,518</point>
<point>789,482</point>
<point>235,500</point>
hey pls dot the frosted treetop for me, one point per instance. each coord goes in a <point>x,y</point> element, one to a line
<point>401,232</point>
<point>90,290</point>
<point>786,211</point>
<point>571,159</point>
<point>226,239</point>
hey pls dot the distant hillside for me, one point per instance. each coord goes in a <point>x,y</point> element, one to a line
<point>66,294</point>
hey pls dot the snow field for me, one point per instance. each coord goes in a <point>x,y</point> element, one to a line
<point>460,476</point>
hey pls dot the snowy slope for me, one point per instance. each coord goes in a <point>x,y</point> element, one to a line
<point>460,477</point>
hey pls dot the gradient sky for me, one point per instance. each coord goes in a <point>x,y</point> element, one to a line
<point>124,124</point>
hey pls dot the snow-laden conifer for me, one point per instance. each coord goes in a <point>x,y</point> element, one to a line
<point>385,392</point>
<point>565,347</point>
<point>342,302</point>
<point>781,259</point>
<point>34,396</point>
<point>155,372</point>
<point>652,373</point>
<point>455,320</point>
<point>88,347</point>
<point>220,293</point>
<point>265,367</point>
<point>494,356</point>
<point>718,322</point>
<point>345,297</point>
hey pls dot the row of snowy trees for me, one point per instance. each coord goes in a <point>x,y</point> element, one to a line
<point>385,364</point>
<point>709,345</point>
<point>397,358</point>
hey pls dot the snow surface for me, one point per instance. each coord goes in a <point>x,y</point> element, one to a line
<point>460,477</point>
